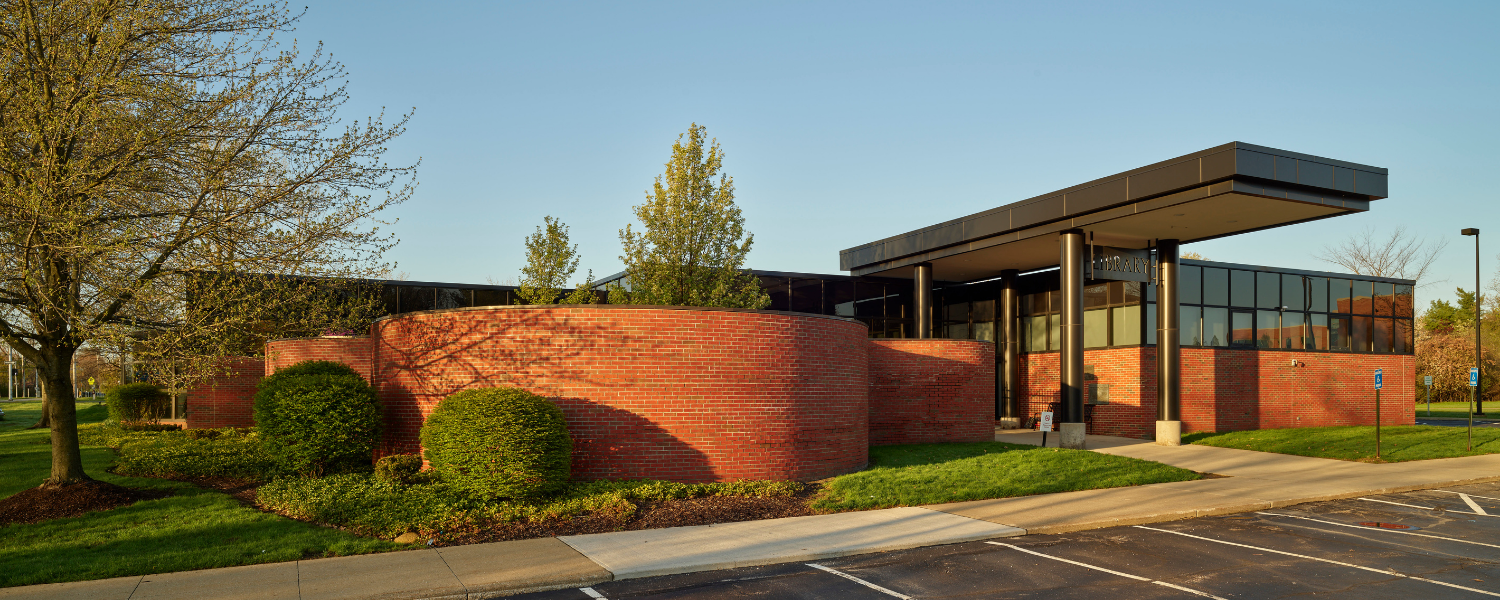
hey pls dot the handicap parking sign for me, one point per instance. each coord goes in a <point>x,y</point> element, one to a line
<point>1378,377</point>
<point>1474,377</point>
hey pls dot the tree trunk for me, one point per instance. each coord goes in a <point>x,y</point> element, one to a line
<point>62,411</point>
<point>46,420</point>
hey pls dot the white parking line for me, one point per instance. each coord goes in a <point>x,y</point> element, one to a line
<point>592,594</point>
<point>1429,507</point>
<point>1097,568</point>
<point>861,582</point>
<point>1474,505</point>
<point>1342,564</point>
<point>1463,494</point>
<point>1361,527</point>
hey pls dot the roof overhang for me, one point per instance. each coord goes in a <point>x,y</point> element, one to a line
<point>1223,191</point>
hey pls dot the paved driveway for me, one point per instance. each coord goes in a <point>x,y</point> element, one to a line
<point>1425,544</point>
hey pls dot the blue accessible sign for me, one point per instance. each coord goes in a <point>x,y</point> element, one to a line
<point>1474,377</point>
<point>1378,378</point>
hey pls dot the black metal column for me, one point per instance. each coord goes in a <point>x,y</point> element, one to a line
<point>1008,359</point>
<point>1168,352</point>
<point>923,296</point>
<point>1071,361</point>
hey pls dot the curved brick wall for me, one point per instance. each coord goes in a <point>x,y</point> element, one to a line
<point>931,391</point>
<point>354,351</point>
<point>649,392</point>
<point>226,400</point>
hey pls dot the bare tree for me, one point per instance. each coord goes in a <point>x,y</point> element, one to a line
<point>1397,255</point>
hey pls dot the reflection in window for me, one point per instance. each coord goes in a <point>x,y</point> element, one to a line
<point>415,298</point>
<point>1293,292</point>
<point>1403,304</point>
<point>1189,326</point>
<point>1267,290</point>
<point>452,298</point>
<point>1317,297</point>
<point>1384,297</point>
<point>1403,336</point>
<point>391,296</point>
<point>838,298</point>
<point>1036,333</point>
<point>1189,285</point>
<point>1243,333</point>
<point>1127,324</point>
<point>491,297</point>
<point>1215,327</point>
<point>1362,331</point>
<point>1216,286</point>
<point>1340,334</point>
<point>777,289</point>
<point>1267,329</point>
<point>1381,340</point>
<point>984,331</point>
<point>1096,328</point>
<point>1242,288</point>
<point>1363,290</point>
<point>957,331</point>
<point>1317,332</point>
<point>1338,296</point>
<point>1292,335</point>
<point>1054,333</point>
<point>806,295</point>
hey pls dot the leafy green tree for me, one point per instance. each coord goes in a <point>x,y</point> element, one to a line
<point>692,245</point>
<point>1442,317</point>
<point>149,143</point>
<point>550,263</point>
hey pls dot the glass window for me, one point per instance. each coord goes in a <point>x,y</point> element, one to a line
<point>1189,327</point>
<point>807,295</point>
<point>870,301</point>
<point>1151,292</point>
<point>453,298</point>
<point>1338,296</point>
<point>1242,288</point>
<point>1403,305</point>
<point>983,310</point>
<point>1384,298</point>
<point>1126,323</point>
<point>1340,334</point>
<point>1151,322</point>
<point>1403,337</point>
<point>1267,290</point>
<point>1243,334</point>
<point>838,298</point>
<point>776,288</point>
<point>1054,331</point>
<point>1293,292</point>
<point>985,331</point>
<point>1216,286</point>
<point>491,297</point>
<point>415,298</point>
<point>1362,331</point>
<point>1130,292</point>
<point>1317,332</point>
<point>1189,285</point>
<point>1096,328</point>
<point>1267,329</point>
<point>1382,337</point>
<point>1095,295</point>
<point>1317,294</point>
<point>1292,335</point>
<point>957,331</point>
<point>958,311</point>
<point>1363,290</point>
<point>1215,327</point>
<point>1036,333</point>
<point>390,295</point>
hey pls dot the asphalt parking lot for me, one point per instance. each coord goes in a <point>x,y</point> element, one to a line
<point>1426,544</point>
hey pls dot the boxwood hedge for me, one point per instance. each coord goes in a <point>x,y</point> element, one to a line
<point>499,443</point>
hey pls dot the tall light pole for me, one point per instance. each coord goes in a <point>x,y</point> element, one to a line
<point>1478,356</point>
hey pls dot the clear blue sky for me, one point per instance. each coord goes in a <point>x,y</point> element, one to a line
<point>848,122</point>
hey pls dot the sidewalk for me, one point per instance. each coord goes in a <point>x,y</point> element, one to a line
<point>1253,481</point>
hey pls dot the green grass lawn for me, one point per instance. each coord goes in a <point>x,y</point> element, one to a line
<point>1457,410</point>
<point>194,529</point>
<point>917,474</point>
<point>1398,443</point>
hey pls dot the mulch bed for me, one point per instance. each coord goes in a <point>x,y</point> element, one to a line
<point>649,515</point>
<point>46,503</point>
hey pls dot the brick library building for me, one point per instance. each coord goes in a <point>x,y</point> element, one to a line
<point>1074,302</point>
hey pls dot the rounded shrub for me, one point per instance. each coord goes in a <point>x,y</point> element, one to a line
<point>139,402</point>
<point>499,443</point>
<point>318,419</point>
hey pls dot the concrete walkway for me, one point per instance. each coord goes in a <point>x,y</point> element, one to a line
<point>1252,481</point>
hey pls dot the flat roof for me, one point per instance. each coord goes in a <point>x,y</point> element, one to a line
<point>1225,190</point>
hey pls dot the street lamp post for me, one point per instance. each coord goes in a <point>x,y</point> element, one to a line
<point>1478,356</point>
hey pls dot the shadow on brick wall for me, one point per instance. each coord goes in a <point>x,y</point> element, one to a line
<point>611,443</point>
<point>918,398</point>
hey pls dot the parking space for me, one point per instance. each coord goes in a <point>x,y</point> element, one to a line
<point>1426,544</point>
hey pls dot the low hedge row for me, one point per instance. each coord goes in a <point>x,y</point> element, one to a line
<point>228,452</point>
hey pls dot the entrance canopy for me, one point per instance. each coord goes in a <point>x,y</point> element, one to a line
<point>1226,190</point>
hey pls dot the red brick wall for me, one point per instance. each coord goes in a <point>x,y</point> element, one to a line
<point>928,391</point>
<point>1232,390</point>
<point>225,400</point>
<point>355,351</point>
<point>649,392</point>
